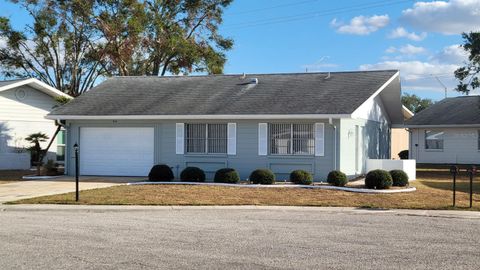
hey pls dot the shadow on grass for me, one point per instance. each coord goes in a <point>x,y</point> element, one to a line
<point>461,186</point>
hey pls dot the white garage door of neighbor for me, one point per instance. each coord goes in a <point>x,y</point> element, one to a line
<point>116,151</point>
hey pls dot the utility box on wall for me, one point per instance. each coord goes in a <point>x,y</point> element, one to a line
<point>407,165</point>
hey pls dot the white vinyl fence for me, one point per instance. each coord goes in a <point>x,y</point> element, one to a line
<point>407,165</point>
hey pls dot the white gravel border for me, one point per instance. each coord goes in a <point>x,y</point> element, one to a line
<point>348,189</point>
<point>36,177</point>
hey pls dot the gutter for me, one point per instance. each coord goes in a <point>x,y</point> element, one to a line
<point>199,117</point>
<point>443,126</point>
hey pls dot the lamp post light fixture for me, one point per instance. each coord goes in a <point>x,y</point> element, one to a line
<point>75,147</point>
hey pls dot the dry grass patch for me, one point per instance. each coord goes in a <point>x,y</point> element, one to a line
<point>433,192</point>
<point>9,176</point>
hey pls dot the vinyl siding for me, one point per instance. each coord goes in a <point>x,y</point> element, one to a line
<point>245,160</point>
<point>372,122</point>
<point>374,143</point>
<point>460,146</point>
<point>20,117</point>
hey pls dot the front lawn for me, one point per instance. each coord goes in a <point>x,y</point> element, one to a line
<point>8,176</point>
<point>433,192</point>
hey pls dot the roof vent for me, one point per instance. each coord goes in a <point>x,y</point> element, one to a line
<point>328,76</point>
<point>253,81</point>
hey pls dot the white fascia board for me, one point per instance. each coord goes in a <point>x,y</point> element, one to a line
<point>407,111</point>
<point>199,117</point>
<point>376,93</point>
<point>444,126</point>
<point>39,85</point>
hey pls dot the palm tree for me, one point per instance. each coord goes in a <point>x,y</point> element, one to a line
<point>36,149</point>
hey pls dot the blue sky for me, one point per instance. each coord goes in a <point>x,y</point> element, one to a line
<point>420,38</point>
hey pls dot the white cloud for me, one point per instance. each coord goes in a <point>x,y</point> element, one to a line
<point>401,32</point>
<point>447,17</point>
<point>361,25</point>
<point>453,54</point>
<point>408,49</point>
<point>420,75</point>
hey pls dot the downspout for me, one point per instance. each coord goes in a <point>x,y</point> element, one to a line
<point>409,143</point>
<point>334,143</point>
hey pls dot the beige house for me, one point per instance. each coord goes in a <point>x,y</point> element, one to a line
<point>400,136</point>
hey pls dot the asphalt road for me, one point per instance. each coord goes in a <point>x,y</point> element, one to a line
<point>234,239</point>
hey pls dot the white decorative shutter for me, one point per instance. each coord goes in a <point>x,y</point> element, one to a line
<point>180,138</point>
<point>262,139</point>
<point>232,138</point>
<point>319,139</point>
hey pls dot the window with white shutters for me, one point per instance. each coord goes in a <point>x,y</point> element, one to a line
<point>206,138</point>
<point>291,139</point>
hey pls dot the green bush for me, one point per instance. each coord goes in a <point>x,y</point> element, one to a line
<point>337,178</point>
<point>399,177</point>
<point>160,172</point>
<point>378,179</point>
<point>192,174</point>
<point>301,177</point>
<point>403,154</point>
<point>226,175</point>
<point>262,176</point>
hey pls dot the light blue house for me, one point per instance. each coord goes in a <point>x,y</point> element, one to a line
<point>313,121</point>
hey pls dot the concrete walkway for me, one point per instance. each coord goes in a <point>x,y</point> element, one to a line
<point>34,188</point>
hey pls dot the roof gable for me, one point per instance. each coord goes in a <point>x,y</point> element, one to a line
<point>34,83</point>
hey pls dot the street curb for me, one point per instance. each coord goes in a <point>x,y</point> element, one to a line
<point>340,210</point>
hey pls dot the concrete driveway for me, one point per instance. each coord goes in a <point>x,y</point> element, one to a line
<point>34,188</point>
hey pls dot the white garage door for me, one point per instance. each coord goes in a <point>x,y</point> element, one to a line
<point>116,151</point>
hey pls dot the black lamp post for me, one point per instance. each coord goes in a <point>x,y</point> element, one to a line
<point>471,172</point>
<point>454,171</point>
<point>75,147</point>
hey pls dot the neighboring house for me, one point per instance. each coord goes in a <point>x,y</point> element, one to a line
<point>312,121</point>
<point>448,132</point>
<point>400,136</point>
<point>24,104</point>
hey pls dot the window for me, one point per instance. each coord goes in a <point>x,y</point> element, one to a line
<point>61,145</point>
<point>292,139</point>
<point>434,139</point>
<point>206,138</point>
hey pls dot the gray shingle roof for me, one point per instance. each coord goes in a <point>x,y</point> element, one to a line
<point>450,111</point>
<point>297,93</point>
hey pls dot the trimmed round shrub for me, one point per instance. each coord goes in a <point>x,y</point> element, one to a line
<point>262,176</point>
<point>337,178</point>
<point>403,154</point>
<point>378,179</point>
<point>399,178</point>
<point>226,175</point>
<point>160,173</point>
<point>301,177</point>
<point>192,174</point>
